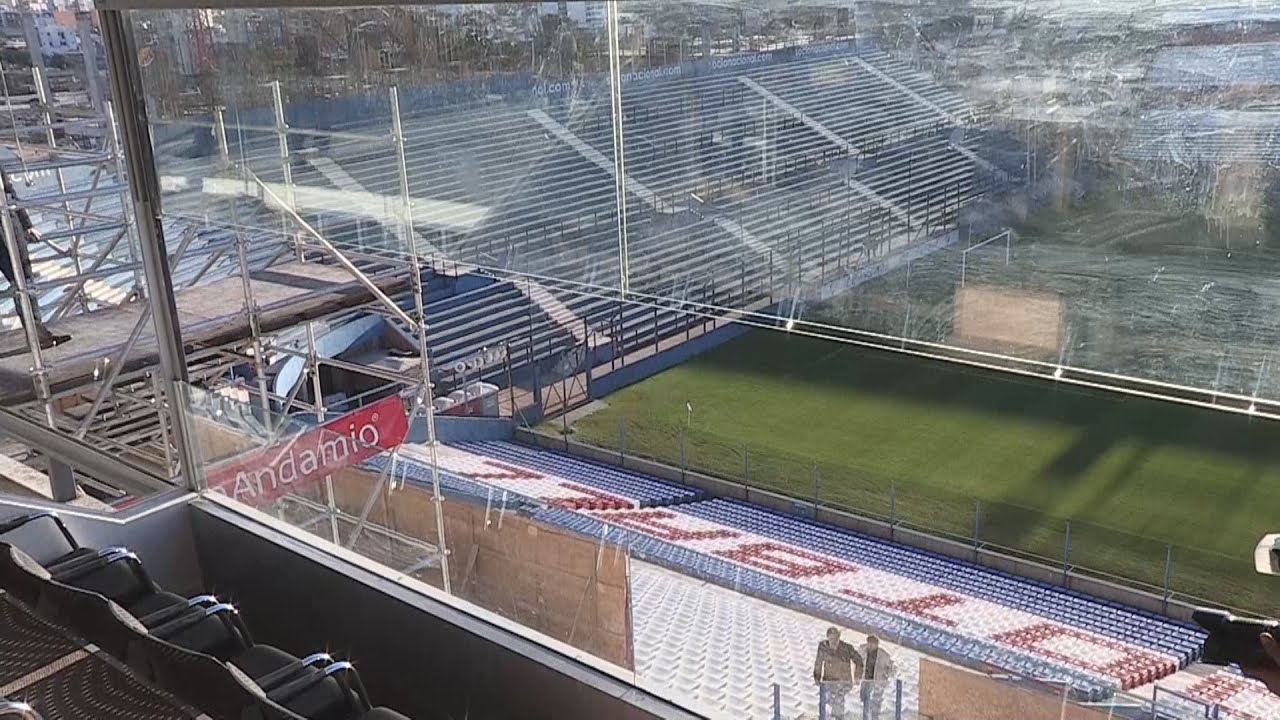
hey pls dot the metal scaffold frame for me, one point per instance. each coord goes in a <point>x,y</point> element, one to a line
<point>83,251</point>
<point>142,415</point>
<point>118,392</point>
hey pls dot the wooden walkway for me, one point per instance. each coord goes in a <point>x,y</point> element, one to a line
<point>209,315</point>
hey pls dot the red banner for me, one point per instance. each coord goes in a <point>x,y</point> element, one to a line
<point>264,476</point>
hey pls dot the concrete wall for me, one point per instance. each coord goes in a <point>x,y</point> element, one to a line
<point>718,487</point>
<point>463,429</point>
<point>565,586</point>
<point>635,372</point>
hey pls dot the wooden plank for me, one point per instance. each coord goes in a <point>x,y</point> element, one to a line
<point>210,315</point>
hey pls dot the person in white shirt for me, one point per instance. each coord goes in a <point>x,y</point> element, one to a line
<point>877,671</point>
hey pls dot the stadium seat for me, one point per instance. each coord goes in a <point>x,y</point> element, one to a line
<point>14,710</point>
<point>115,572</point>
<point>315,687</point>
<point>751,582</point>
<point>44,537</point>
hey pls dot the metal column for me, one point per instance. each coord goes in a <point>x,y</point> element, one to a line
<point>89,51</point>
<point>425,399</point>
<point>135,136</point>
<point>32,37</point>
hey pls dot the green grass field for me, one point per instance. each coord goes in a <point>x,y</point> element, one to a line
<point>1133,477</point>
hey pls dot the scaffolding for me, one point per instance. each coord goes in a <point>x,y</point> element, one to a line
<point>122,384</point>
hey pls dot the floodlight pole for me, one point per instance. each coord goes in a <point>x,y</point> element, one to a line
<point>425,400</point>
<point>127,93</point>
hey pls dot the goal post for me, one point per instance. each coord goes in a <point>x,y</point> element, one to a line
<point>1005,236</point>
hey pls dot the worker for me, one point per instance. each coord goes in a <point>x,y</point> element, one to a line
<point>28,235</point>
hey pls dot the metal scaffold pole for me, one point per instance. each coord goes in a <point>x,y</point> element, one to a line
<point>311,371</point>
<point>282,137</point>
<point>220,135</point>
<point>135,135</point>
<point>251,312</point>
<point>425,396</point>
<point>27,308</point>
<point>42,88</point>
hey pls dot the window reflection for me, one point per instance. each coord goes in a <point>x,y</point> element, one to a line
<point>1092,187</point>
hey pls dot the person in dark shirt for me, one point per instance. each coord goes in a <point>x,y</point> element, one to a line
<point>834,669</point>
<point>9,269</point>
<point>877,671</point>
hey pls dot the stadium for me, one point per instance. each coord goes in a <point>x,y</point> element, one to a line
<point>610,353</point>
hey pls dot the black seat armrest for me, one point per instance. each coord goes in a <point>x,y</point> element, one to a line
<point>274,679</point>
<point>238,632</point>
<point>177,625</point>
<point>79,567</point>
<point>347,677</point>
<point>160,617</point>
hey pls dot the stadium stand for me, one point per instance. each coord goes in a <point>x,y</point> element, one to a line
<point>743,188</point>
<point>682,625</point>
<point>1236,697</point>
<point>939,643</point>
<point>1050,601</point>
<point>1205,137</point>
<point>642,491</point>
<point>198,648</point>
<point>953,606</point>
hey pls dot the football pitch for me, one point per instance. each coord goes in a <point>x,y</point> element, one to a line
<point>959,451</point>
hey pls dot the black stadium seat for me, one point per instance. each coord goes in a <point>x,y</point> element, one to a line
<point>198,648</point>
<point>43,536</point>
<point>316,688</point>
<point>13,710</point>
<point>114,572</point>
